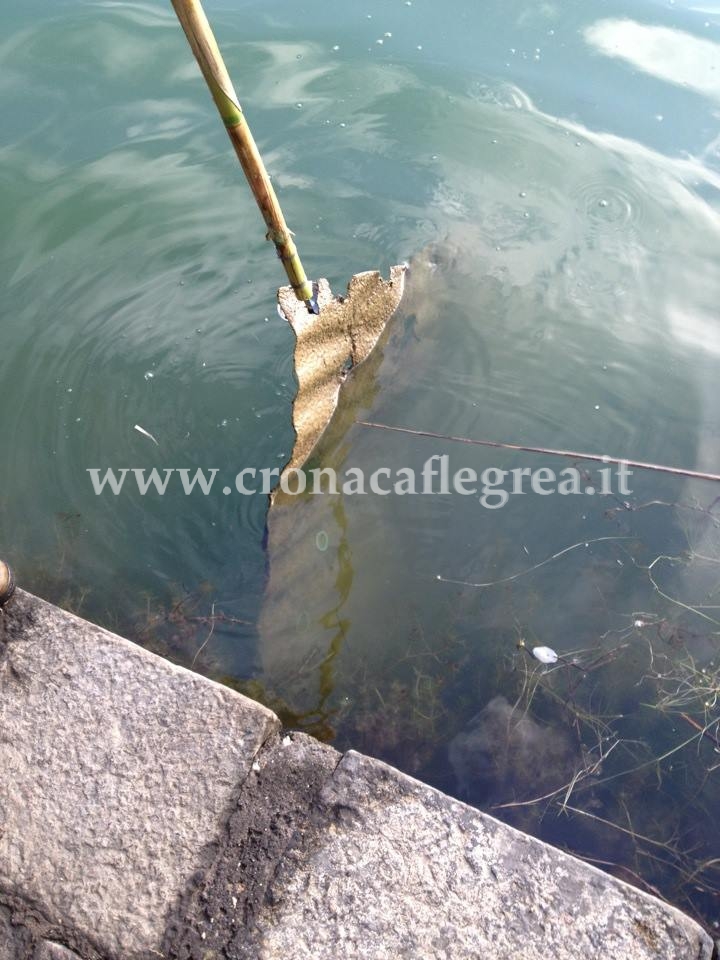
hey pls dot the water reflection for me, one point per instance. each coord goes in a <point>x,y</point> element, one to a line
<point>669,54</point>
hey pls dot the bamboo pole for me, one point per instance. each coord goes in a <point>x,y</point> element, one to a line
<point>203,44</point>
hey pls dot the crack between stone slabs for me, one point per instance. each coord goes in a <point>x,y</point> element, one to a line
<point>215,917</point>
<point>179,915</point>
<point>268,810</point>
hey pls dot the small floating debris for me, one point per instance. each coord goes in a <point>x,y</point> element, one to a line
<point>145,434</point>
<point>545,654</point>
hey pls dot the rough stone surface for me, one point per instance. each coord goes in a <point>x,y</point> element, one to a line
<point>9,945</point>
<point>118,773</point>
<point>394,869</point>
<point>272,811</point>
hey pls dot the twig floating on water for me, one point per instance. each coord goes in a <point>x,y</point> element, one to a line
<point>572,454</point>
<point>522,573</point>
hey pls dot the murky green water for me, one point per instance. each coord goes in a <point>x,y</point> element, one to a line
<point>553,172</point>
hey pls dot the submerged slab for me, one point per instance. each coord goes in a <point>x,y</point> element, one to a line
<point>117,772</point>
<point>394,869</point>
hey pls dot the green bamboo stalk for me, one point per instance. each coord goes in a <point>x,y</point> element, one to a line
<point>207,53</point>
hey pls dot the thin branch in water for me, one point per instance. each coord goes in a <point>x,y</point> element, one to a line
<point>705,731</point>
<point>207,638</point>
<point>523,573</point>
<point>548,451</point>
<point>697,610</point>
<point>625,506</point>
<point>663,844</point>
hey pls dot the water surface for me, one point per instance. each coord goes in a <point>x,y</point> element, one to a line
<point>552,170</point>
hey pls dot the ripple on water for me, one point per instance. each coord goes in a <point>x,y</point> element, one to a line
<point>610,207</point>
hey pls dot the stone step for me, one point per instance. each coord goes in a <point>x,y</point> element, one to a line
<point>146,812</point>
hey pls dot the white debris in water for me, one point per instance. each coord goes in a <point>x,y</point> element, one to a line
<point>545,654</point>
<point>256,766</point>
<point>286,741</point>
<point>145,434</point>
